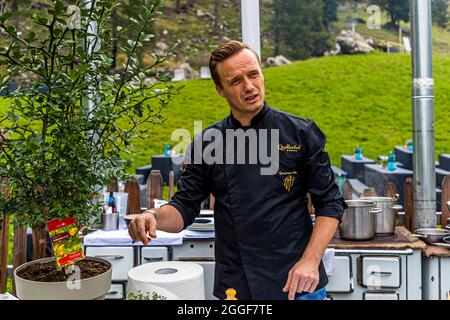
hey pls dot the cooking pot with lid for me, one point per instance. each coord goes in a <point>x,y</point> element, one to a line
<point>385,220</point>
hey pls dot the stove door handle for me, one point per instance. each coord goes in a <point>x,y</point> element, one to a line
<point>381,273</point>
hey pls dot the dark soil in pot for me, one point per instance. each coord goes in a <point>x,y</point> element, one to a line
<point>47,272</point>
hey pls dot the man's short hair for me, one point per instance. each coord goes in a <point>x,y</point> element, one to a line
<point>224,52</point>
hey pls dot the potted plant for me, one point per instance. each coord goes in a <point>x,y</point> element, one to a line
<point>69,130</point>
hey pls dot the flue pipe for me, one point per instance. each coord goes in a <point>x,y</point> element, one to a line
<point>424,177</point>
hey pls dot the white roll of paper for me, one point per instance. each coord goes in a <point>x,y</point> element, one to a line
<point>168,280</point>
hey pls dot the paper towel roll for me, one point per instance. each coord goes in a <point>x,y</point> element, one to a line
<point>171,280</point>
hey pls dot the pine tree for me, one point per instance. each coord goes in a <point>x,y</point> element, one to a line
<point>440,12</point>
<point>398,10</point>
<point>299,28</point>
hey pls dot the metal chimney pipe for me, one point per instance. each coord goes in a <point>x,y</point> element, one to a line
<point>424,177</point>
<point>250,24</point>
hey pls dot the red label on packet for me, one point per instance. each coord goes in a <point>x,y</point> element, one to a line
<point>66,242</point>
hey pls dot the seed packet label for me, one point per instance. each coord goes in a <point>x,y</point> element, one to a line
<point>66,242</point>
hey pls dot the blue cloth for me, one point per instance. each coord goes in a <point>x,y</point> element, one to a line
<point>320,294</point>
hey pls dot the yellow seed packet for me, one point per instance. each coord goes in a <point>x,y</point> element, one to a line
<point>66,242</point>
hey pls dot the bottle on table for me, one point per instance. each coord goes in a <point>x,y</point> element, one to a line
<point>358,153</point>
<point>392,162</point>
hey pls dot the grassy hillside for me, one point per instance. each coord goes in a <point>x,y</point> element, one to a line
<point>354,99</point>
<point>363,99</point>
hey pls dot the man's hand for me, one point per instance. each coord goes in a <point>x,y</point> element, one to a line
<point>303,277</point>
<point>142,224</point>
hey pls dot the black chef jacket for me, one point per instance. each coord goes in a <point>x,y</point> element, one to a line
<point>262,223</point>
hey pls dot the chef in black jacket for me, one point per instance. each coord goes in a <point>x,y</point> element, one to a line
<point>266,246</point>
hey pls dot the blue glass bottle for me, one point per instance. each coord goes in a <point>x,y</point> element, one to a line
<point>410,145</point>
<point>358,153</point>
<point>340,181</point>
<point>167,150</point>
<point>392,162</point>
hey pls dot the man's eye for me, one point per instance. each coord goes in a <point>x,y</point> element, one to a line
<point>254,74</point>
<point>234,82</point>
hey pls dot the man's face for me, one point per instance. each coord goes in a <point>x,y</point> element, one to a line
<point>242,83</point>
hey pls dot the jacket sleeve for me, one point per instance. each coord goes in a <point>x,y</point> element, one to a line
<point>192,186</point>
<point>325,194</point>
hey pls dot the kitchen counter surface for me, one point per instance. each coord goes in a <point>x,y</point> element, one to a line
<point>435,251</point>
<point>400,240</point>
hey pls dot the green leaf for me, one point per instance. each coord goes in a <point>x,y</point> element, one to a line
<point>5,17</point>
<point>31,36</point>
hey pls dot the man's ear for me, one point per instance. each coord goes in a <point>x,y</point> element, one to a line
<point>219,91</point>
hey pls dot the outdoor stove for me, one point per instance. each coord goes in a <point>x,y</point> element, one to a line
<point>384,268</point>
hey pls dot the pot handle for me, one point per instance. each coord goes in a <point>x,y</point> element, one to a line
<point>396,197</point>
<point>376,210</point>
<point>397,207</point>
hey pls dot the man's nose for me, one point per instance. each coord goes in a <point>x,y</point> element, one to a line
<point>248,85</point>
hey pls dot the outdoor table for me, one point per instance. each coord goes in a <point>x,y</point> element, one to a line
<point>444,161</point>
<point>165,164</point>
<point>404,156</point>
<point>355,168</point>
<point>378,177</point>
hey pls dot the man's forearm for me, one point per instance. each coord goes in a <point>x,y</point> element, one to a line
<point>323,232</point>
<point>169,219</point>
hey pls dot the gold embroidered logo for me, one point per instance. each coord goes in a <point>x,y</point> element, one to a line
<point>289,183</point>
<point>289,147</point>
<point>289,179</point>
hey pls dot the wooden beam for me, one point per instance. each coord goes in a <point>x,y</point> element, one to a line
<point>20,249</point>
<point>4,237</point>
<point>39,243</point>
<point>348,190</point>
<point>390,192</point>
<point>171,184</point>
<point>409,205</point>
<point>134,196</point>
<point>155,185</point>
<point>369,192</point>
<point>445,196</point>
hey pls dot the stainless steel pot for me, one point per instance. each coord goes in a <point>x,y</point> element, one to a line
<point>386,220</point>
<point>358,221</point>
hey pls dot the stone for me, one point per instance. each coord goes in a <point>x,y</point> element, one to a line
<point>351,43</point>
<point>277,61</point>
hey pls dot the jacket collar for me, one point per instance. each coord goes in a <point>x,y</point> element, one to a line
<point>255,120</point>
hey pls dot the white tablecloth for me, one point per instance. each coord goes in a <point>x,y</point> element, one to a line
<point>122,238</point>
